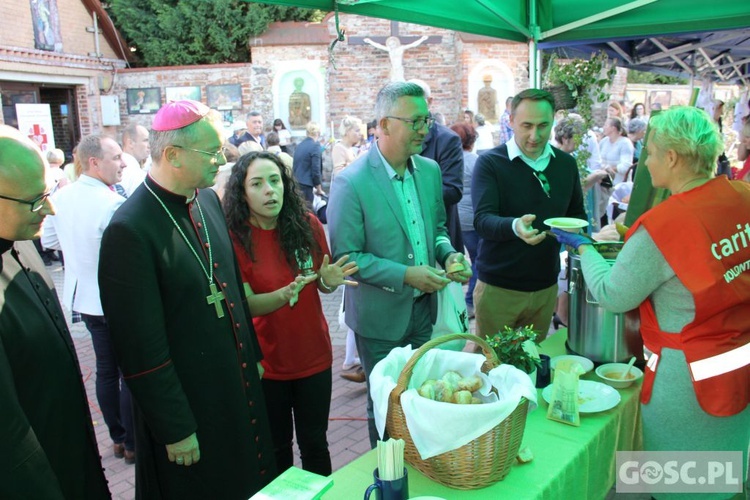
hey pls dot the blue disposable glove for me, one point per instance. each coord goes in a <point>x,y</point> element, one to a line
<point>571,239</point>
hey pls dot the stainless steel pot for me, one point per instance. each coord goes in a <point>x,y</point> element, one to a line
<point>594,332</point>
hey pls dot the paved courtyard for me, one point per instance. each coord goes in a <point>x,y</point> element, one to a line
<point>347,430</point>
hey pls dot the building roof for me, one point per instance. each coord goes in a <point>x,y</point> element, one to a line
<point>293,33</point>
<point>110,33</point>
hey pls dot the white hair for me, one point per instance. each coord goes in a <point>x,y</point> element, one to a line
<point>423,84</point>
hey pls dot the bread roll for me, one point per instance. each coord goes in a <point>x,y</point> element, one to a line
<point>427,390</point>
<point>455,267</point>
<point>451,378</point>
<point>443,392</point>
<point>525,455</point>
<point>471,384</point>
<point>476,401</point>
<point>462,397</point>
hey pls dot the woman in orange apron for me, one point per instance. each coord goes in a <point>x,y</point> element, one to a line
<point>686,266</point>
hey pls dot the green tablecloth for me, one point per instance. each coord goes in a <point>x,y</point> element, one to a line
<point>574,462</point>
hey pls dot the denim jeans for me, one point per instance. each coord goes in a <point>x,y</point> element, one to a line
<point>111,392</point>
<point>471,242</point>
<point>303,405</point>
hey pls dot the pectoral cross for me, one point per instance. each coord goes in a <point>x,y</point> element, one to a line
<point>215,298</point>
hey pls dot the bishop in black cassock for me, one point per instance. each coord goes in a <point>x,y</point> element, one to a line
<point>186,347</point>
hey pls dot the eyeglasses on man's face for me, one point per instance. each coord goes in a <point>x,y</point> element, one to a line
<point>215,156</point>
<point>543,182</point>
<point>36,204</point>
<point>417,124</point>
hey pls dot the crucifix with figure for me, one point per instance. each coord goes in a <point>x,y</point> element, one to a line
<point>395,45</point>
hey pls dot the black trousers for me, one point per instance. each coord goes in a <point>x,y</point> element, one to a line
<point>307,195</point>
<point>301,405</point>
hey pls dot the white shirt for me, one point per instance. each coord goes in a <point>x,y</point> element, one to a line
<point>619,154</point>
<point>83,211</point>
<point>132,174</point>
<point>484,138</point>
<point>538,165</point>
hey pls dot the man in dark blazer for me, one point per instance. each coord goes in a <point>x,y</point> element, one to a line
<point>444,146</point>
<point>254,131</point>
<point>386,212</point>
<point>47,444</point>
<point>308,164</point>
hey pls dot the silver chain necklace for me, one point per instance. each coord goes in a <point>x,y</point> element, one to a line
<point>216,296</point>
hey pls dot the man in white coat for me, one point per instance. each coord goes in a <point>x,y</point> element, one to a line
<point>84,211</point>
<point>136,153</point>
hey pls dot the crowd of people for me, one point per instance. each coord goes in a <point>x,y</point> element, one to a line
<point>196,263</point>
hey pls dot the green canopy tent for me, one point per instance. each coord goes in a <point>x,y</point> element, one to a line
<point>535,21</point>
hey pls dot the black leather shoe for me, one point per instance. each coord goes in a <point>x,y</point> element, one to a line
<point>556,322</point>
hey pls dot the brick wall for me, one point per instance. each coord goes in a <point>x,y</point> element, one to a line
<point>361,70</point>
<point>16,28</point>
<point>250,77</point>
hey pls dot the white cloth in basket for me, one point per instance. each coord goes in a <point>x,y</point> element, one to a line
<point>437,427</point>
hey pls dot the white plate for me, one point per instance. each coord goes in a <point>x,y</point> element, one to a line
<point>594,396</point>
<point>585,363</point>
<point>566,223</point>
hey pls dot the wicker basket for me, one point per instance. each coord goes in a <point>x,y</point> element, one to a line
<point>563,96</point>
<point>482,462</point>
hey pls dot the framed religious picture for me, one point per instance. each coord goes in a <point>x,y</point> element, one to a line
<point>143,101</point>
<point>634,97</point>
<point>180,93</point>
<point>659,99</point>
<point>224,97</point>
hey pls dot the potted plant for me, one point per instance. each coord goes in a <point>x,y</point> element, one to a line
<point>586,80</point>
<point>516,347</point>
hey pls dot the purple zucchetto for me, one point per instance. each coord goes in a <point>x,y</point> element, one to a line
<point>177,114</point>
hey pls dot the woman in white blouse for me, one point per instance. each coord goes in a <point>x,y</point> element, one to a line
<point>616,151</point>
<point>343,152</point>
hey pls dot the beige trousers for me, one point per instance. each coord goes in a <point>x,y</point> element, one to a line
<point>497,307</point>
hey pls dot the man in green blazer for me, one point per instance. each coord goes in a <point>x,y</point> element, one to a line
<point>386,212</point>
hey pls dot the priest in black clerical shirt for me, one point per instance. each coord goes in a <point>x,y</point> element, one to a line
<point>47,443</point>
<point>182,332</point>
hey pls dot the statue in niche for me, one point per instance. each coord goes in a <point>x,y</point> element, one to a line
<point>300,111</point>
<point>396,53</point>
<point>487,100</point>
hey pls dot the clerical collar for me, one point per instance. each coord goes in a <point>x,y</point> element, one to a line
<point>391,171</point>
<point>541,163</point>
<point>167,195</point>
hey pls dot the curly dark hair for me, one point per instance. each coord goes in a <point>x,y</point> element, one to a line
<point>293,224</point>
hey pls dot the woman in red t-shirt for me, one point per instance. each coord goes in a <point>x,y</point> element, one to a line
<point>281,248</point>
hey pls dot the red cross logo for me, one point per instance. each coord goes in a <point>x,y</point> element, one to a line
<point>38,135</point>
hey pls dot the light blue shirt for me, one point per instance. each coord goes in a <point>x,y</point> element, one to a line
<point>539,164</point>
<point>406,194</point>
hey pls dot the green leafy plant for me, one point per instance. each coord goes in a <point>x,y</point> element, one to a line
<point>588,81</point>
<point>508,344</point>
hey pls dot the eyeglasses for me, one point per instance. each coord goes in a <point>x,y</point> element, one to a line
<point>36,204</point>
<point>216,156</point>
<point>543,182</point>
<point>416,125</point>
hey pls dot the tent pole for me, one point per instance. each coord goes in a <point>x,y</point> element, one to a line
<point>535,76</point>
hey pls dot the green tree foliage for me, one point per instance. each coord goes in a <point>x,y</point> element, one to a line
<point>635,76</point>
<point>185,32</point>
